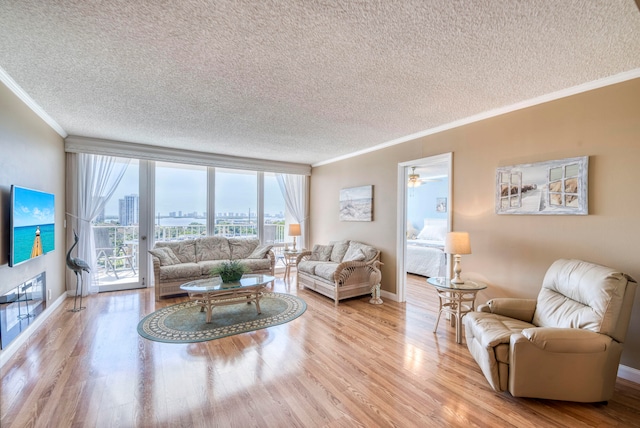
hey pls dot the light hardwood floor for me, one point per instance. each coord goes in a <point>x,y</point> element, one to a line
<point>354,365</point>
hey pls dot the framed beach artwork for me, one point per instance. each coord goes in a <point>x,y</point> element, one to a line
<point>441,205</point>
<point>557,187</point>
<point>356,203</point>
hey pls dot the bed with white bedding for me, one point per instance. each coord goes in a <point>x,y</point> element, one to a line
<point>425,250</point>
<point>426,258</point>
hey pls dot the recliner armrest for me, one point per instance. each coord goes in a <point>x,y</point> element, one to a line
<point>565,340</point>
<point>521,309</point>
<point>483,308</point>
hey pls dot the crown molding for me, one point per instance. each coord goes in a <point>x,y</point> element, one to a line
<point>25,98</point>
<point>574,90</point>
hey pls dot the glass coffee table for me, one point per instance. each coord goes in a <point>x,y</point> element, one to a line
<point>211,292</point>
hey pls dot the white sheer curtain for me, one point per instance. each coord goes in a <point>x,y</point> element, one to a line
<point>96,179</point>
<point>294,189</point>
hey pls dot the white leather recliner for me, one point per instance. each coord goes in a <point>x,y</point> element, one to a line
<point>564,345</point>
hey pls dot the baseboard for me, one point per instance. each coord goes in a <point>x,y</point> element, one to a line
<point>629,373</point>
<point>22,338</point>
<point>388,295</point>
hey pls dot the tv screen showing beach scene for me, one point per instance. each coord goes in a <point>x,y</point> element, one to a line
<point>32,224</point>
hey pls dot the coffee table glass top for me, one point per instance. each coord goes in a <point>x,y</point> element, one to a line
<point>215,283</point>
<point>445,283</point>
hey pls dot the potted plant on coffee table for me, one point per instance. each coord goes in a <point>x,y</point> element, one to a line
<point>230,271</point>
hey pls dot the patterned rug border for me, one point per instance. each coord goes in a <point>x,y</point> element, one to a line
<point>296,306</point>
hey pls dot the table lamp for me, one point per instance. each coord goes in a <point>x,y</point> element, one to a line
<point>457,243</point>
<point>294,230</point>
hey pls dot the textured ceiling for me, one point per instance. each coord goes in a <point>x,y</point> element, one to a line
<point>301,81</point>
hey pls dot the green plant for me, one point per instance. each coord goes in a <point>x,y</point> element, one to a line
<point>230,271</point>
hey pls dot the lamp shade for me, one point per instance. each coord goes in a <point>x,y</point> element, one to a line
<point>294,229</point>
<point>457,243</point>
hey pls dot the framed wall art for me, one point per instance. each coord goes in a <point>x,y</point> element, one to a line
<point>557,187</point>
<point>356,203</point>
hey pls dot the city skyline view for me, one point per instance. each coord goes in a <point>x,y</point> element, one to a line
<point>184,189</point>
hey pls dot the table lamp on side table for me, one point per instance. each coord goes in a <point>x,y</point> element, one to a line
<point>294,230</point>
<point>457,243</point>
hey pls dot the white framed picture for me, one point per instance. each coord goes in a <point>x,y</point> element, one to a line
<point>557,187</point>
<point>356,203</point>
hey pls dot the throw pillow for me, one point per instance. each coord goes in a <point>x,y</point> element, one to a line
<point>339,250</point>
<point>368,251</point>
<point>260,252</point>
<point>165,255</point>
<point>354,254</point>
<point>321,253</point>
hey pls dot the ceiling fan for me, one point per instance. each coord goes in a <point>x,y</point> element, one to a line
<point>415,180</point>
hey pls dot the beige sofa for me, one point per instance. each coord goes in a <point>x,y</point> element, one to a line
<point>339,270</point>
<point>564,345</point>
<point>177,262</point>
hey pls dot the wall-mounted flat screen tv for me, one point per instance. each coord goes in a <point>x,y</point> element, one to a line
<point>32,225</point>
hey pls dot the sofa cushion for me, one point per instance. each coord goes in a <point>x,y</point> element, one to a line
<point>309,266</point>
<point>184,250</point>
<point>241,248</point>
<point>321,253</point>
<point>326,270</point>
<point>338,251</point>
<point>185,271</point>
<point>368,251</point>
<point>353,254</point>
<point>260,252</point>
<point>165,255</point>
<point>207,265</point>
<point>257,264</point>
<point>212,248</point>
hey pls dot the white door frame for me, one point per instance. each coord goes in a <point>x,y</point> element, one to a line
<point>401,236</point>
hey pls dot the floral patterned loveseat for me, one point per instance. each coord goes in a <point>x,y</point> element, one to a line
<point>177,262</point>
<point>340,270</point>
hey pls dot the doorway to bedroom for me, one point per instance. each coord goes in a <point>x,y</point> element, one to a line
<point>424,218</point>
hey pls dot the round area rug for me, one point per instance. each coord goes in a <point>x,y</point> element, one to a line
<point>184,323</point>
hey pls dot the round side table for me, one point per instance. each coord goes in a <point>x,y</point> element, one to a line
<point>456,300</point>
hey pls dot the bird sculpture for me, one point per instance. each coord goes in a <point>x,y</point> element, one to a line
<point>77,266</point>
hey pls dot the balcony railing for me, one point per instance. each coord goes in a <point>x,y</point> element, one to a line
<point>114,239</point>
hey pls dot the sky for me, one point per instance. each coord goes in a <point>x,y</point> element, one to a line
<point>33,207</point>
<point>185,190</point>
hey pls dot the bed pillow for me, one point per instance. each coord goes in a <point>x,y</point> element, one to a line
<point>433,233</point>
<point>412,232</point>
<point>321,253</point>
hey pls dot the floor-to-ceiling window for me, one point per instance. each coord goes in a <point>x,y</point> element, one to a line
<point>180,201</point>
<point>236,203</point>
<point>161,201</point>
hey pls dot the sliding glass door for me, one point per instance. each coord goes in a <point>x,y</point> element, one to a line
<point>116,234</point>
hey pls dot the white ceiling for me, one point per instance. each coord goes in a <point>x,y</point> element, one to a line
<point>302,81</point>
